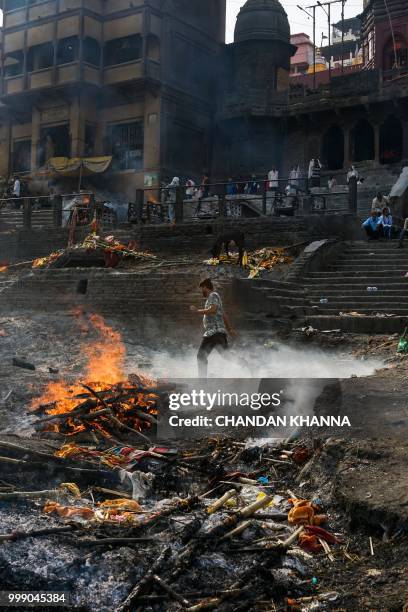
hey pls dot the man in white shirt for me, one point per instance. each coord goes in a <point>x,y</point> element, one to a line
<point>379,203</point>
<point>17,192</point>
<point>190,184</point>
<point>17,187</point>
<point>273,178</point>
<point>352,173</point>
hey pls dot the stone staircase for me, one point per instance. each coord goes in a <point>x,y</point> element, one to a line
<point>344,284</point>
<point>12,219</point>
<point>265,302</point>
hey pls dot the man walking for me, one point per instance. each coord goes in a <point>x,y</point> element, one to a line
<point>216,326</point>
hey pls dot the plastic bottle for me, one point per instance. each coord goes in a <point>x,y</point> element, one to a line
<point>324,301</point>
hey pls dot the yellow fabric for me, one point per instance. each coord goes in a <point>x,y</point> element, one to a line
<point>72,166</point>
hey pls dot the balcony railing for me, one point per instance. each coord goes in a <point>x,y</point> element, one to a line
<point>47,8</point>
<point>72,73</point>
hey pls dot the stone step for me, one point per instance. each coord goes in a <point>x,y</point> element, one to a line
<point>355,274</point>
<point>279,292</point>
<point>388,294</point>
<point>403,312</point>
<point>366,270</point>
<point>358,325</point>
<point>368,298</point>
<point>397,257</point>
<point>386,247</point>
<point>385,306</point>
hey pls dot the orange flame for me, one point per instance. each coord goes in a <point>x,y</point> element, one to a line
<point>105,366</point>
<point>3,269</point>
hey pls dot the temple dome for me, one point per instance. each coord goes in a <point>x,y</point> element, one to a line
<point>262,20</point>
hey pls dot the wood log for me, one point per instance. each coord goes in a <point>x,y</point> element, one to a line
<point>141,586</point>
<point>112,541</point>
<point>21,535</point>
<point>163,585</point>
<point>112,417</point>
<point>80,410</point>
<point>16,495</point>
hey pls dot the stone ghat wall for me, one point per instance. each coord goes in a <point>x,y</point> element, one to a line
<point>189,237</point>
<point>155,305</point>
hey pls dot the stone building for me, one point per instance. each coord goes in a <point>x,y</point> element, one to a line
<point>360,117</point>
<point>134,79</point>
<point>153,83</point>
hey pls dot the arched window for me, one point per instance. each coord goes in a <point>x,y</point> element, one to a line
<point>333,148</point>
<point>362,141</point>
<point>391,140</point>
<point>395,56</point>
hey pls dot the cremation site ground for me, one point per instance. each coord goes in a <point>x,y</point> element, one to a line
<point>122,521</point>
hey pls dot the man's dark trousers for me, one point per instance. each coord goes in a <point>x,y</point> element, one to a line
<point>208,344</point>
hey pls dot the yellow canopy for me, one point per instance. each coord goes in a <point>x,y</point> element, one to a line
<point>73,167</point>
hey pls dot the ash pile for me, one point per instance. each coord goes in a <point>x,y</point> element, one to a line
<point>140,527</point>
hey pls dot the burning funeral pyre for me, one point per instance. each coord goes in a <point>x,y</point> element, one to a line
<point>89,508</point>
<point>104,400</point>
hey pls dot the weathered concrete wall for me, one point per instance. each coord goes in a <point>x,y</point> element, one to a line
<point>318,255</point>
<point>156,305</point>
<point>190,237</point>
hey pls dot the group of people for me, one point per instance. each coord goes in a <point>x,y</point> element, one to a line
<point>380,223</point>
<point>192,191</point>
<point>13,190</point>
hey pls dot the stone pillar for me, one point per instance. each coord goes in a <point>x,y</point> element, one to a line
<point>151,148</point>
<point>100,134</point>
<point>179,204</point>
<point>376,143</point>
<point>347,147</point>
<point>57,211</point>
<point>35,138</point>
<point>405,139</point>
<point>353,202</point>
<point>77,128</point>
<point>27,214</point>
<point>139,204</point>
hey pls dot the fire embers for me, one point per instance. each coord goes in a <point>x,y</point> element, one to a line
<point>118,404</point>
<point>107,409</point>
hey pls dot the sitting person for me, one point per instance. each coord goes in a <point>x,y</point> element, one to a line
<point>385,223</point>
<point>402,234</point>
<point>379,202</point>
<point>371,226</point>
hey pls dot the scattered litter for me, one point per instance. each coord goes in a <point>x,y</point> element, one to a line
<point>257,261</point>
<point>108,246</point>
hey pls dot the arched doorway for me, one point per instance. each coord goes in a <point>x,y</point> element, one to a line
<point>333,148</point>
<point>362,141</point>
<point>391,140</point>
<point>395,56</point>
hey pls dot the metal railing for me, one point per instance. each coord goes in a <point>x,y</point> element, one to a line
<point>236,199</point>
<point>38,211</point>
